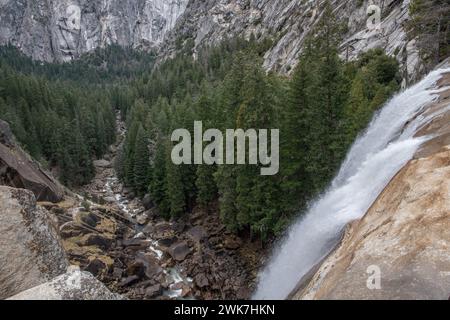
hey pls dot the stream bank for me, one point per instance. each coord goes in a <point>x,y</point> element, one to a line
<point>125,244</point>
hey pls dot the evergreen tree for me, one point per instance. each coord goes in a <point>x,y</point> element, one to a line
<point>141,162</point>
<point>175,190</point>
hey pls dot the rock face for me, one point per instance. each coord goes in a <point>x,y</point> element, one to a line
<point>30,249</point>
<point>19,171</point>
<point>288,22</point>
<point>405,236</point>
<point>73,285</point>
<point>62,30</point>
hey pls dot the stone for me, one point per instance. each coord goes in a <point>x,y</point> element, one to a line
<point>136,268</point>
<point>142,219</point>
<point>159,230</point>
<point>129,281</point>
<point>232,243</point>
<point>103,164</point>
<point>135,243</point>
<point>109,199</point>
<point>201,280</point>
<point>153,291</point>
<point>97,240</point>
<point>117,273</point>
<point>151,265</point>
<point>197,234</point>
<point>72,229</point>
<point>86,218</point>
<point>31,252</point>
<point>18,170</point>
<point>73,285</point>
<point>147,202</point>
<point>96,267</point>
<point>166,243</point>
<point>179,251</point>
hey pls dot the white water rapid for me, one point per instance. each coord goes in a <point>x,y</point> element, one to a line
<point>376,156</point>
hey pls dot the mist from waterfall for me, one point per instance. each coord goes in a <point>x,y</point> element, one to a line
<point>374,159</point>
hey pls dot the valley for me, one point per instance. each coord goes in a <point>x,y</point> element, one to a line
<point>124,129</point>
<point>145,257</point>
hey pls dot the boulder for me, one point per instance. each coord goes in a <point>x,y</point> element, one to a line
<point>71,229</point>
<point>86,218</point>
<point>142,219</point>
<point>201,280</point>
<point>153,291</point>
<point>136,268</point>
<point>31,252</point>
<point>151,265</point>
<point>96,240</point>
<point>159,230</point>
<point>126,191</point>
<point>96,266</point>
<point>18,170</point>
<point>166,243</point>
<point>109,199</point>
<point>102,164</point>
<point>179,251</point>
<point>197,234</point>
<point>73,285</point>
<point>129,281</point>
<point>147,202</point>
<point>232,243</point>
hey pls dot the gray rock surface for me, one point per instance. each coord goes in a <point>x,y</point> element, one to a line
<point>289,22</point>
<point>62,30</point>
<point>30,249</point>
<point>73,285</point>
<point>18,170</point>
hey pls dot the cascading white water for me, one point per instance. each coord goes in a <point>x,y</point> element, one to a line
<point>373,160</point>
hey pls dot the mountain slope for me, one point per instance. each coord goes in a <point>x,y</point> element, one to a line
<point>62,30</point>
<point>289,22</point>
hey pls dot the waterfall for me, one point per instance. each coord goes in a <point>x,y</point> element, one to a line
<point>375,157</point>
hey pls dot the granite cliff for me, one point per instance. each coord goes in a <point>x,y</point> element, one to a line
<point>63,30</point>
<point>59,31</point>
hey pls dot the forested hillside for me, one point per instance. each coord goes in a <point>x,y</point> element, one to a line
<point>319,113</point>
<point>68,122</point>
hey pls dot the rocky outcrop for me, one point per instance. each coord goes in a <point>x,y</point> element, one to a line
<point>289,22</point>
<point>30,249</point>
<point>63,30</point>
<point>73,285</point>
<point>404,239</point>
<point>18,170</point>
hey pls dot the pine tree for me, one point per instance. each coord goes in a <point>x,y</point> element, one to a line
<point>357,111</point>
<point>207,189</point>
<point>158,182</point>
<point>297,133</point>
<point>141,162</point>
<point>225,178</point>
<point>175,188</point>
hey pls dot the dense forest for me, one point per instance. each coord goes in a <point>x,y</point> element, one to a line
<point>64,115</point>
<point>319,111</point>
